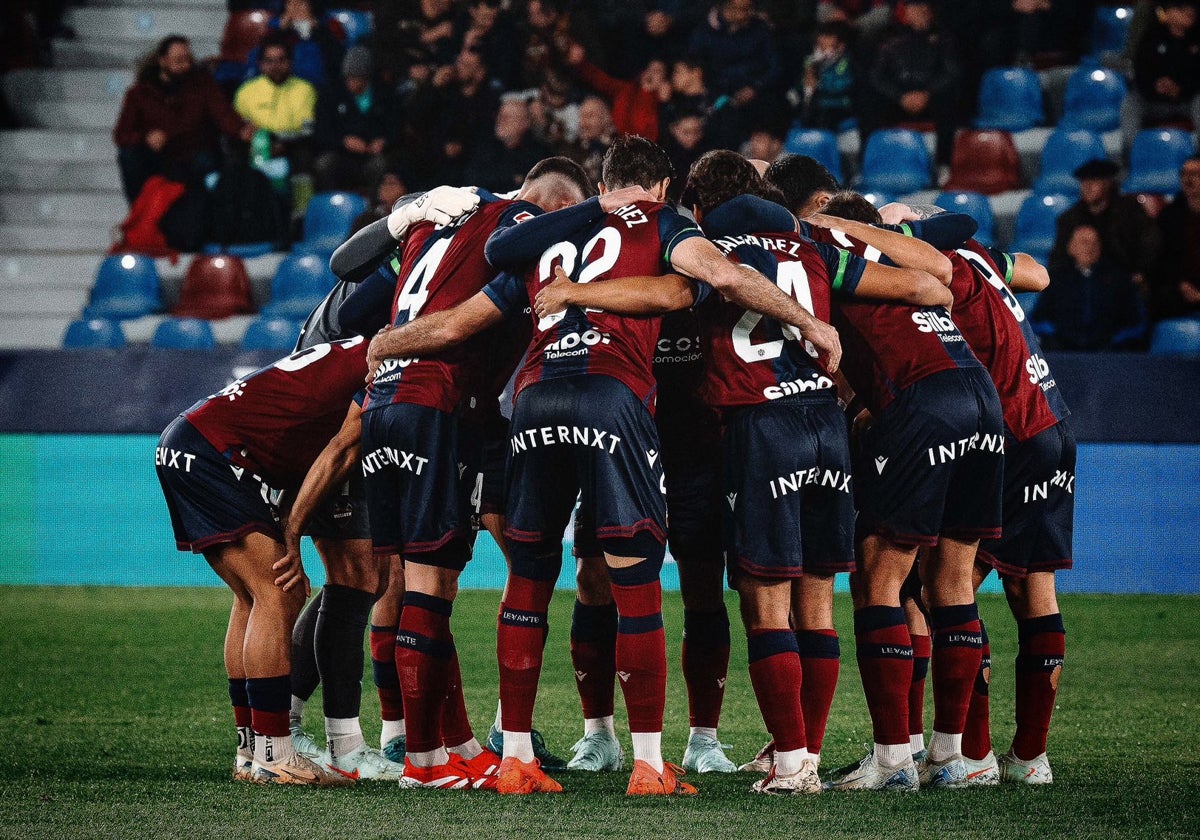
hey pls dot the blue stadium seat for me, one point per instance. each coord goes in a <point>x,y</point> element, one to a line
<point>1034,233</point>
<point>94,334</point>
<point>184,334</point>
<point>327,221</point>
<point>1028,301</point>
<point>358,24</point>
<point>1010,99</point>
<point>300,283</point>
<point>1065,151</point>
<point>1155,159</point>
<point>268,333</point>
<point>896,162</point>
<point>817,143</point>
<point>974,205</point>
<point>1177,337</point>
<point>126,287</point>
<point>1110,29</point>
<point>1093,99</point>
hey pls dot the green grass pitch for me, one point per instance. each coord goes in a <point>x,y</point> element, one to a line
<point>116,721</point>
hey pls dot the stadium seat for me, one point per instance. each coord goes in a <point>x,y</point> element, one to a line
<point>1155,159</point>
<point>300,283</point>
<point>896,161</point>
<point>974,205</point>
<point>357,24</point>
<point>817,143</point>
<point>269,333</point>
<point>184,334</point>
<point>214,287</point>
<point>243,31</point>
<point>1093,99</point>
<point>1110,29</point>
<point>1035,226</point>
<point>327,221</point>
<point>1177,337</point>
<point>93,334</point>
<point>1010,99</point>
<point>1027,301</point>
<point>126,287</point>
<point>877,199</point>
<point>1065,151</point>
<point>985,162</point>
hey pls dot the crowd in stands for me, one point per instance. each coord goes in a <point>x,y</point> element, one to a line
<point>476,91</point>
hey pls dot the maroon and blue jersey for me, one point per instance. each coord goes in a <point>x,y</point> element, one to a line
<point>636,240</point>
<point>752,359</point>
<point>276,421</point>
<point>439,267</point>
<point>889,346</point>
<point>989,315</point>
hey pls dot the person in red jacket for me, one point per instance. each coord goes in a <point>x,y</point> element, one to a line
<point>171,120</point>
<point>635,102</point>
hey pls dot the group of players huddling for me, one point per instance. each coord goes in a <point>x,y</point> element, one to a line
<point>678,382</point>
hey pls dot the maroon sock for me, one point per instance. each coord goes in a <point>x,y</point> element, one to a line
<point>641,652</point>
<point>520,637</point>
<point>424,651</point>
<point>884,651</point>
<point>916,689</point>
<point>776,676</point>
<point>977,736</point>
<point>820,660</point>
<point>270,704</point>
<point>1041,647</point>
<point>594,657</point>
<point>456,725</point>
<point>383,666</point>
<point>957,652</point>
<point>705,664</point>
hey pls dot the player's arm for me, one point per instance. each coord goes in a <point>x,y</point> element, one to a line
<point>1025,274</point>
<point>433,333</point>
<point>904,251</point>
<point>620,296</point>
<point>697,257</point>
<point>903,285</point>
<point>330,470</point>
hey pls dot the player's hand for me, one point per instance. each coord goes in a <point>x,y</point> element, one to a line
<point>897,212</point>
<point>290,567</point>
<point>554,296</point>
<point>375,353</point>
<point>825,338</point>
<point>617,199</point>
<point>441,205</point>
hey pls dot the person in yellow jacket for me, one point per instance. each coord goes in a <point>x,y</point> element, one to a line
<point>276,100</point>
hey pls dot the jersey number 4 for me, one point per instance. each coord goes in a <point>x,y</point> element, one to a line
<point>792,279</point>
<point>415,291</point>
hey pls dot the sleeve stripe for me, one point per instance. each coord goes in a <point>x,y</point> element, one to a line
<point>395,263</point>
<point>1008,269</point>
<point>840,277</point>
<point>906,229</point>
<point>690,231</point>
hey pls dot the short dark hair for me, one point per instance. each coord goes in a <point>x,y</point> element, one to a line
<point>799,177</point>
<point>718,176</point>
<point>851,205</point>
<point>164,46</point>
<point>566,168</point>
<point>276,39</point>
<point>634,161</point>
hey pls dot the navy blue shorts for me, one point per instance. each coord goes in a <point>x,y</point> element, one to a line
<point>933,463</point>
<point>585,436</point>
<point>342,516</point>
<point>482,451</point>
<point>409,461</point>
<point>211,501</point>
<point>1039,505</point>
<point>789,500</point>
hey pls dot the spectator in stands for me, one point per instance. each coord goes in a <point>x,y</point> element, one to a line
<point>413,39</point>
<point>824,96</point>
<point>316,40</point>
<point>488,30</point>
<point>737,51</point>
<point>685,143</point>
<point>276,100</point>
<point>1129,237</point>
<point>635,102</point>
<point>388,191</point>
<point>547,33</point>
<point>865,16</point>
<point>1038,33</point>
<point>501,161</point>
<point>172,119</point>
<point>1166,72</point>
<point>765,143</point>
<point>595,136</point>
<point>356,125</point>
<point>915,79</point>
<point>1175,285</point>
<point>1091,302</point>
<point>555,115</point>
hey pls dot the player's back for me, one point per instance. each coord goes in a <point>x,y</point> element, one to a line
<point>278,419</point>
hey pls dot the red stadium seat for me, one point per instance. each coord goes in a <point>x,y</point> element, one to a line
<point>243,32</point>
<point>214,287</point>
<point>984,162</point>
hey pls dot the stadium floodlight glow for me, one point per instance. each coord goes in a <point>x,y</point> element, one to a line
<point>1099,75</point>
<point>1048,200</point>
<point>219,262</point>
<point>128,261</point>
<point>1123,13</point>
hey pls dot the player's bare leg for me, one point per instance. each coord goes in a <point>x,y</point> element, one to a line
<point>705,653</point>
<point>982,767</point>
<point>235,669</point>
<point>593,656</point>
<point>385,622</point>
<point>820,654</point>
<point>776,676</point>
<point>913,602</point>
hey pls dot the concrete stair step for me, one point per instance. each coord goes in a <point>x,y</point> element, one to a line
<point>98,115</point>
<point>138,23</point>
<point>52,176</point>
<point>77,208</point>
<point>44,144</point>
<point>227,330</point>
<point>66,85</point>
<point>216,5</point>
<point>34,272</point>
<point>18,301</point>
<point>122,54</point>
<point>71,239</point>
